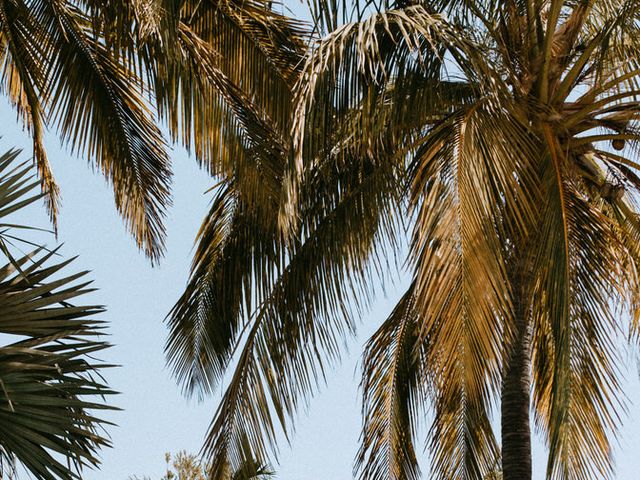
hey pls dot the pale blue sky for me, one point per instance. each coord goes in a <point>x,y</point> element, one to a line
<point>156,418</point>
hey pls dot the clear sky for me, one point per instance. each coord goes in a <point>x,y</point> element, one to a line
<point>155,417</point>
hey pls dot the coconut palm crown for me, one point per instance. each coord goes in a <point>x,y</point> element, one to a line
<point>498,140</point>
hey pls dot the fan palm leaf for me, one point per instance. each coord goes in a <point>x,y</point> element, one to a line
<point>50,383</point>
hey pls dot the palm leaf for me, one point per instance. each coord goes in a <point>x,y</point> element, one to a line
<point>95,100</point>
<point>393,391</point>
<point>23,74</point>
<point>577,391</point>
<point>299,327</point>
<point>50,383</point>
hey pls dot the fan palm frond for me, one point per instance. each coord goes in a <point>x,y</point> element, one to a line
<point>50,383</point>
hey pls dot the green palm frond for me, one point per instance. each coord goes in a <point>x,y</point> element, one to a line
<point>50,383</point>
<point>49,388</point>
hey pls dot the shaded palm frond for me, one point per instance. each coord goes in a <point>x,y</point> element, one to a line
<point>232,266</point>
<point>50,387</point>
<point>252,470</point>
<point>225,105</point>
<point>393,394</point>
<point>96,102</point>
<point>50,382</point>
<point>352,65</point>
<point>357,54</point>
<point>298,330</point>
<point>250,139</point>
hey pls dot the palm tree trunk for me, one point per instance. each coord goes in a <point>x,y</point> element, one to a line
<point>516,395</point>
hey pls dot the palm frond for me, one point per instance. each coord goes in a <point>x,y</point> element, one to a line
<point>234,248</point>
<point>462,440</point>
<point>467,197</point>
<point>577,392</point>
<point>365,48</point>
<point>214,103</point>
<point>23,76</point>
<point>299,328</point>
<point>47,381</point>
<point>50,383</point>
<point>390,47</point>
<point>96,101</point>
<point>393,394</point>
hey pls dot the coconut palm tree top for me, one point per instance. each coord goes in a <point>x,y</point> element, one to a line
<point>498,139</point>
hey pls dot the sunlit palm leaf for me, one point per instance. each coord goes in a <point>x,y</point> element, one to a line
<point>577,390</point>
<point>23,78</point>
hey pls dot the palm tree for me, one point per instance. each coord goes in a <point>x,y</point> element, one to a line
<point>476,132</point>
<point>100,72</point>
<point>50,383</point>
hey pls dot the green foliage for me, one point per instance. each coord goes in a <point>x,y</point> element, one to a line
<point>186,466</point>
<point>51,390</point>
